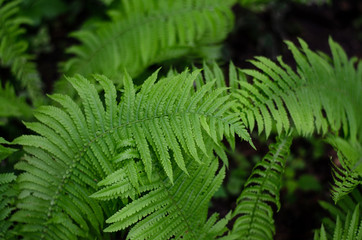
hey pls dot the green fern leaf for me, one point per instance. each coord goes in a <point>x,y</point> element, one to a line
<point>283,98</point>
<point>5,151</point>
<point>13,50</point>
<point>350,231</point>
<point>144,32</point>
<point>340,210</point>
<point>168,209</point>
<point>12,105</point>
<point>261,190</point>
<point>347,177</point>
<point>154,127</point>
<point>8,194</point>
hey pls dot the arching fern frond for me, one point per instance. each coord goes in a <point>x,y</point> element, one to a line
<point>349,175</point>
<point>13,50</point>
<point>144,32</point>
<point>166,209</point>
<point>261,191</point>
<point>344,182</point>
<point>320,96</point>
<point>165,122</point>
<point>350,230</point>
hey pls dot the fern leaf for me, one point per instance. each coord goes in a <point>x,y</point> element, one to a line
<point>150,131</point>
<point>144,32</point>
<point>5,151</point>
<point>260,191</point>
<point>12,105</point>
<point>283,98</point>
<point>340,210</point>
<point>13,50</point>
<point>350,231</point>
<point>344,183</point>
<point>349,175</point>
<point>8,193</point>
<point>175,209</point>
<point>7,199</point>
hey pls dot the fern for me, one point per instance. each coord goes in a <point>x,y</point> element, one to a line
<point>143,32</point>
<point>261,191</point>
<point>344,182</point>
<point>13,50</point>
<point>165,209</point>
<point>12,105</point>
<point>5,151</point>
<point>341,209</point>
<point>351,230</point>
<point>282,98</point>
<point>7,192</point>
<point>144,160</point>
<point>167,119</point>
<point>7,196</point>
<point>350,175</point>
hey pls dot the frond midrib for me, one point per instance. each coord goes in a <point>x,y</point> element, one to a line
<point>178,208</point>
<point>274,160</point>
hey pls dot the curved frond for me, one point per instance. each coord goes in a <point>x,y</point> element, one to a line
<point>143,32</point>
<point>254,210</point>
<point>161,124</point>
<point>349,175</point>
<point>13,50</point>
<point>322,95</point>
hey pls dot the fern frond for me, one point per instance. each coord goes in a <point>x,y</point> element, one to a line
<point>350,230</point>
<point>13,50</point>
<point>309,99</point>
<point>5,151</point>
<point>143,32</point>
<point>341,209</point>
<point>344,182</point>
<point>159,125</point>
<point>349,175</point>
<point>167,209</point>
<point>261,191</point>
<point>7,197</point>
<point>8,193</point>
<point>12,105</point>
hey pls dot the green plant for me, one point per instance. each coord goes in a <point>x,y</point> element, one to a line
<point>143,161</point>
<point>13,50</point>
<point>145,32</point>
<point>342,213</point>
